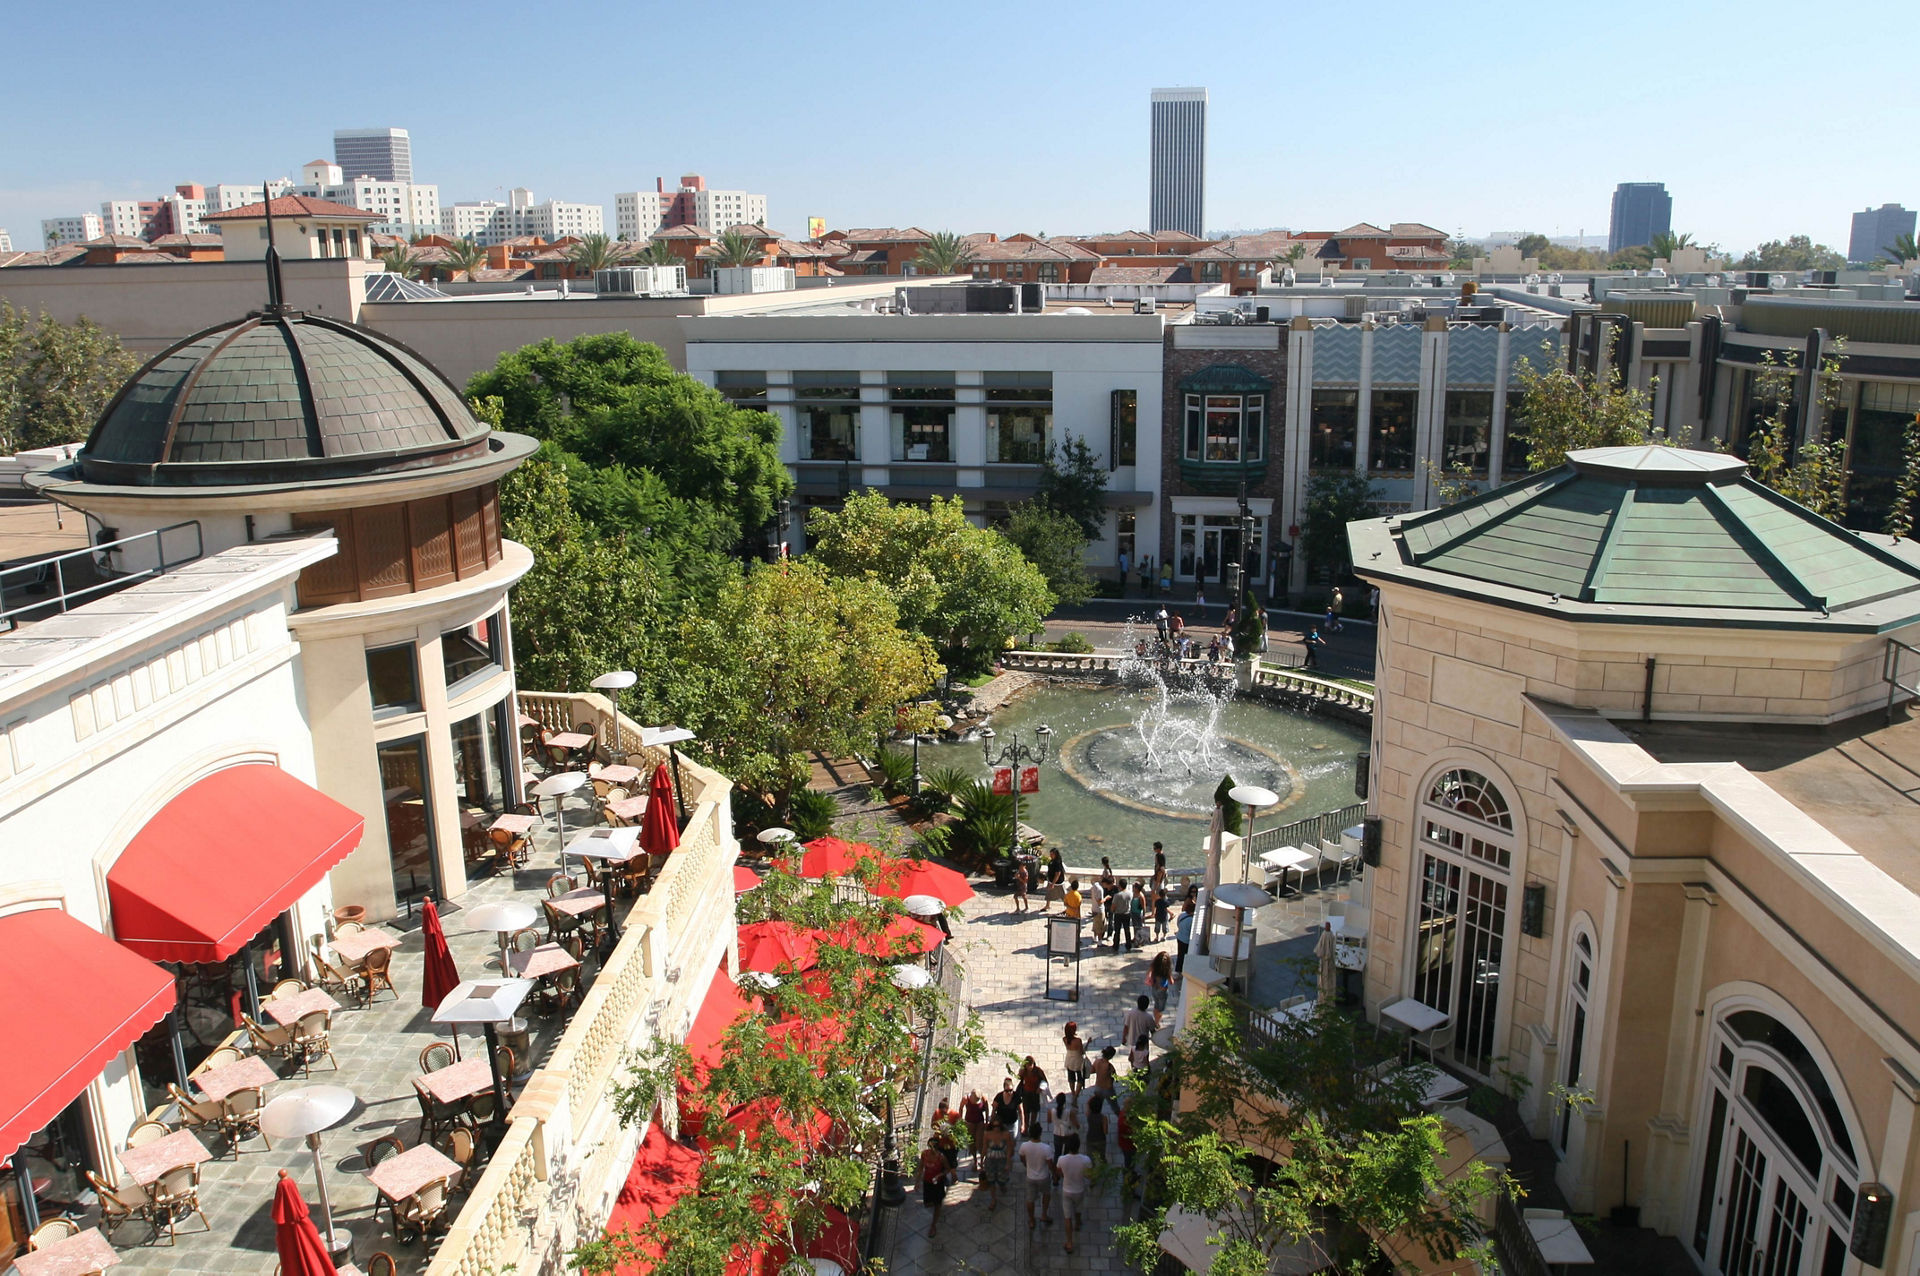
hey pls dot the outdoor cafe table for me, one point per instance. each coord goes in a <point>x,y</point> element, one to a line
<point>399,1177</point>
<point>457,1082</point>
<point>618,774</point>
<point>291,1009</point>
<point>1287,859</point>
<point>1418,1018</point>
<point>77,1255</point>
<point>578,903</point>
<point>541,962</point>
<point>515,824</point>
<point>250,1073</point>
<point>148,1162</point>
<point>629,808</point>
<point>570,740</point>
<point>354,948</point>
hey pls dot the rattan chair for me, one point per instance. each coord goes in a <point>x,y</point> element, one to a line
<point>383,1149</point>
<point>378,970</point>
<point>436,1116</point>
<point>311,1041</point>
<point>268,1038</point>
<point>524,940</point>
<point>219,1057</point>
<point>120,1203</point>
<point>565,985</point>
<point>463,1149</point>
<point>512,848</point>
<point>559,884</point>
<point>382,1264</point>
<point>282,987</point>
<point>504,1060</point>
<point>348,928</point>
<point>436,1056</point>
<point>240,1119</point>
<point>51,1232</point>
<point>146,1132</point>
<point>424,1210</point>
<point>195,1112</point>
<point>176,1195</point>
<point>353,983</point>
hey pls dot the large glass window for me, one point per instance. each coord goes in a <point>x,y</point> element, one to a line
<point>746,389</point>
<point>1208,544</point>
<point>1390,433</point>
<point>403,778</point>
<point>1019,416</point>
<point>1469,431</point>
<point>1226,428</point>
<point>393,675</point>
<point>1124,446</point>
<point>1514,446</point>
<point>480,760</point>
<point>922,415</point>
<point>828,408</point>
<point>1876,454</point>
<point>473,650</point>
<point>1336,429</point>
<point>1460,945</point>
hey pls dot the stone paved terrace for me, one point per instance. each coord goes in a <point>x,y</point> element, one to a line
<point>378,1050</point>
<point>1006,982</point>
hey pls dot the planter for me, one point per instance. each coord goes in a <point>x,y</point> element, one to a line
<point>1243,673</point>
<point>1003,872</point>
<point>356,913</point>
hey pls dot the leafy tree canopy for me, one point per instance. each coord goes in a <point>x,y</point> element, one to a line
<point>966,588</point>
<point>1333,501</point>
<point>1052,542</point>
<point>1796,252</point>
<point>1532,245</point>
<point>1562,411</point>
<point>55,378</point>
<point>1074,482</point>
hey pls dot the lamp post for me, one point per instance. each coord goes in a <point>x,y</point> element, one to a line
<point>777,528</point>
<point>1013,753</point>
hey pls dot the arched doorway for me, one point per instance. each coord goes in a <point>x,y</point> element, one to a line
<point>1778,1167</point>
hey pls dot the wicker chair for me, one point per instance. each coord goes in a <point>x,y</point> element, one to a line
<point>145,1132</point>
<point>435,1116</point>
<point>382,1264</point>
<point>512,848</point>
<point>52,1232</point>
<point>118,1204</point>
<point>195,1113</point>
<point>436,1056</point>
<point>176,1195</point>
<point>524,940</point>
<point>463,1149</point>
<point>268,1038</point>
<point>559,884</point>
<point>504,1060</point>
<point>565,986</point>
<point>217,1058</point>
<point>378,970</point>
<point>383,1149</point>
<point>353,983</point>
<point>559,925</point>
<point>240,1118</point>
<point>425,1210</point>
<point>310,1039</point>
<point>348,928</point>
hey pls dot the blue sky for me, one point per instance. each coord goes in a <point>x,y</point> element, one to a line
<point>1764,119</point>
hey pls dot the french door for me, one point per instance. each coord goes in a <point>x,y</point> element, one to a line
<point>1459,952</point>
<point>1765,1213</point>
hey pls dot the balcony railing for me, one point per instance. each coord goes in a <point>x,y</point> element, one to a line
<point>62,582</point>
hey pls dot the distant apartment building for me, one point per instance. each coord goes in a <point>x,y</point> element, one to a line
<point>71,230</point>
<point>1179,161</point>
<point>493,222</point>
<point>1641,210</point>
<point>224,197</point>
<point>405,208</point>
<point>384,154</point>
<point>6,241</point>
<point>638,214</point>
<point>1875,229</point>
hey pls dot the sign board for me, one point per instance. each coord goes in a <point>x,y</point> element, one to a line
<point>1003,779</point>
<point>816,227</point>
<point>1030,779</point>
<point>1063,937</point>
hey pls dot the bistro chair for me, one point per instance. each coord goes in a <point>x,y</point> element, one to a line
<point>176,1195</point>
<point>434,1115</point>
<point>424,1210</point>
<point>195,1112</point>
<point>240,1118</point>
<point>218,1058</point>
<point>564,986</point>
<point>508,1065</point>
<point>383,1150</point>
<point>310,1039</point>
<point>382,1264</point>
<point>436,1056</point>
<point>52,1232</point>
<point>268,1038</point>
<point>347,928</point>
<point>524,940</point>
<point>611,820</point>
<point>378,969</point>
<point>480,1108</point>
<point>512,848</point>
<point>332,978</point>
<point>559,884</point>
<point>118,1204</point>
<point>463,1149</point>
<point>146,1132</point>
<point>287,987</point>
<point>574,946</point>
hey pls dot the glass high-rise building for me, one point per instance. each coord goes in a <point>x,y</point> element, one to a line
<point>382,153</point>
<point>1179,161</point>
<point>1641,210</point>
<point>1875,229</point>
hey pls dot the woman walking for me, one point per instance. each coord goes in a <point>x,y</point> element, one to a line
<point>1006,1106</point>
<point>1160,982</point>
<point>1020,886</point>
<point>933,1183</point>
<point>1056,880</point>
<point>1066,1123</point>
<point>996,1155</point>
<point>1159,867</point>
<point>1076,1058</point>
<point>1160,906</point>
<point>1032,1077</point>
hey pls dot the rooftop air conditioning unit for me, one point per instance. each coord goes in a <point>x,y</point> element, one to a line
<point>640,281</point>
<point>1145,306</point>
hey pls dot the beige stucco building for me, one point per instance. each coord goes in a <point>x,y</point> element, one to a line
<point>1650,840</point>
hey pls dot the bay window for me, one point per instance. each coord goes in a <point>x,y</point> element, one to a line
<point>1225,428</point>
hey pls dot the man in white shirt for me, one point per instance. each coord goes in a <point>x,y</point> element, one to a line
<point>1137,1021</point>
<point>1075,1168</point>
<point>1037,1157</point>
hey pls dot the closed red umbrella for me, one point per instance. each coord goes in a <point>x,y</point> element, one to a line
<point>294,1235</point>
<point>659,832</point>
<point>923,877</point>
<point>441,976</point>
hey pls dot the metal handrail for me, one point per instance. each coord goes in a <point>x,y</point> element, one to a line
<point>101,556</point>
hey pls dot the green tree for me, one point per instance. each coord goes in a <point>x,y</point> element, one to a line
<point>944,253</point>
<point>1052,542</point>
<point>658,252</point>
<point>1532,245</point>
<point>1902,250</point>
<point>737,248</point>
<point>1815,473</point>
<point>1797,252</point>
<point>1287,1140</point>
<point>1906,488</point>
<point>403,261</point>
<point>464,257</point>
<point>1555,257</point>
<point>966,588</point>
<point>1333,501</point>
<point>1665,244</point>
<point>597,252</point>
<point>1562,411</point>
<point>1073,482</point>
<point>616,403</point>
<point>791,659</point>
<point>1635,257</point>
<point>55,378</point>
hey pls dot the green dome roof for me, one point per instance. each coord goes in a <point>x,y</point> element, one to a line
<point>275,398</point>
<point>1647,533</point>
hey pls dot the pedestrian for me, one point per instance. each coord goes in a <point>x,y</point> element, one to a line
<point>1036,1155</point>
<point>1160,625</point>
<point>945,1119</point>
<point>996,1156</point>
<point>1116,919</point>
<point>1076,1050</point>
<point>1065,1122</point>
<point>1006,1106</point>
<point>1159,867</point>
<point>1075,1168</point>
<point>1096,901</point>
<point>1166,578</point>
<point>933,1183</point>
<point>1103,1074</point>
<point>973,1112</point>
<point>1137,1057</point>
<point>1032,1077</point>
<point>1213,651</point>
<point>1097,1126</point>
<point>1125,562</point>
<point>1338,607</point>
<point>1137,917</point>
<point>1160,982</point>
<point>1160,907</point>
<point>1020,886</point>
<point>1056,877</point>
<point>1182,935</point>
<point>1226,647</point>
<point>1137,1021</point>
<point>1107,879</point>
<point>1070,902</point>
<point>1177,626</point>
<point>1312,641</point>
<point>1200,594</point>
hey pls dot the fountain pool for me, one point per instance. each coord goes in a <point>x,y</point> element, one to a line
<point>1131,765</point>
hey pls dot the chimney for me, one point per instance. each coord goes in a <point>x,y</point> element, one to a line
<point>660,185</point>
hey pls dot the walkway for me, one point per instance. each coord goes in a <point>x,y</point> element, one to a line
<point>1348,653</point>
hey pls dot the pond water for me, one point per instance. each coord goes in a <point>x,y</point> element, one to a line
<point>1131,765</point>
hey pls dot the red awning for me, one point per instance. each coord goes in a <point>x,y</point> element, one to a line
<point>75,999</point>
<point>220,859</point>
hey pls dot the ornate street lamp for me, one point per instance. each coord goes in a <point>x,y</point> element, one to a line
<point>1013,753</point>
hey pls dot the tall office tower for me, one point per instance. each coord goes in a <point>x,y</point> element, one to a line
<point>383,153</point>
<point>1875,229</point>
<point>1641,210</point>
<point>1179,161</point>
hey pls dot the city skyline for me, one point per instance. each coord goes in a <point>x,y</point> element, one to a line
<point>1327,144</point>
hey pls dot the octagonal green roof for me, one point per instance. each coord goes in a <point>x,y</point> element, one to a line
<point>1648,533</point>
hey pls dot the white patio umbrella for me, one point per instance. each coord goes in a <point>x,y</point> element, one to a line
<point>1188,1236</point>
<point>489,1003</point>
<point>303,1114</point>
<point>503,917</point>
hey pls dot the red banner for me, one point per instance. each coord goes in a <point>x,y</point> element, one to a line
<point>1003,779</point>
<point>1030,779</point>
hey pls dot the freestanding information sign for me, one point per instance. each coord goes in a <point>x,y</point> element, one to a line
<point>1063,943</point>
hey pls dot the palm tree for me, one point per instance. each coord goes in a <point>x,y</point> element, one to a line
<point>465,257</point>
<point>944,253</point>
<point>597,252</point>
<point>403,261</point>
<point>737,248</point>
<point>1902,250</point>
<point>658,252</point>
<point>1666,244</point>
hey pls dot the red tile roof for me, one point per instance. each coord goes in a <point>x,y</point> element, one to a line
<point>293,206</point>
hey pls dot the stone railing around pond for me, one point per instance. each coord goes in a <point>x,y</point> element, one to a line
<point>1278,684</point>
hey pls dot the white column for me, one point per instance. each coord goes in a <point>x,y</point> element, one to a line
<point>1363,432</point>
<point>1429,426</point>
<point>1496,447</point>
<point>1669,1153</point>
<point>876,431</point>
<point>1299,455</point>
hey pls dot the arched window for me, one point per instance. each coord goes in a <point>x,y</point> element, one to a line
<point>1467,838</point>
<point>1778,1169</point>
<point>1579,988</point>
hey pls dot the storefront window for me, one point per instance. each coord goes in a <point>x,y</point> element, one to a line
<point>1225,428</point>
<point>1126,430</point>
<point>1515,447</point>
<point>403,777</point>
<point>1336,429</point>
<point>922,415</point>
<point>1019,416</point>
<point>480,761</point>
<point>1876,455</point>
<point>473,650</point>
<point>1209,544</point>
<point>828,404</point>
<point>1124,523</point>
<point>1469,432</point>
<point>1390,437</point>
<point>743,389</point>
<point>394,678</point>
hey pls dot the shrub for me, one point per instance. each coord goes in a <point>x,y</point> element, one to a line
<point>986,825</point>
<point>811,813</point>
<point>942,785</point>
<point>1075,644</point>
<point>895,767</point>
<point>933,842</point>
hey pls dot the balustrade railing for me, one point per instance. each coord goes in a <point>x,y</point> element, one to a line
<point>487,1236</point>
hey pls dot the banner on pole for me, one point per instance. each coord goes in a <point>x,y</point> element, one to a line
<point>1030,779</point>
<point>1003,779</point>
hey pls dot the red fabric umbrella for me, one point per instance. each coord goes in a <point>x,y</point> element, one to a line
<point>831,857</point>
<point>441,976</point>
<point>773,946</point>
<point>903,937</point>
<point>659,830</point>
<point>923,877</point>
<point>301,1251</point>
<point>744,879</point>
